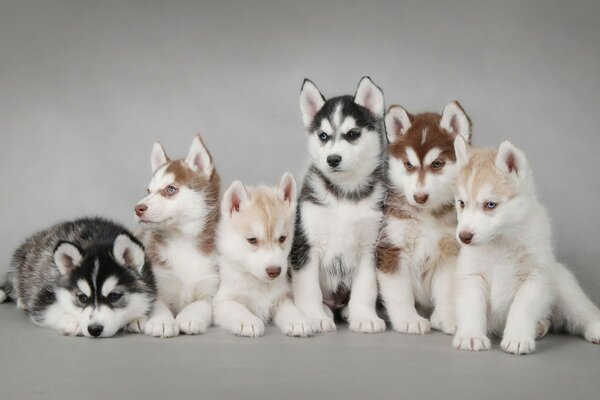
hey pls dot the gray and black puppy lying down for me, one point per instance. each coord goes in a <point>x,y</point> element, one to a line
<point>86,277</point>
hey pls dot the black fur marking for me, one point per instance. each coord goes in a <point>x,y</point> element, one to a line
<point>300,253</point>
<point>363,117</point>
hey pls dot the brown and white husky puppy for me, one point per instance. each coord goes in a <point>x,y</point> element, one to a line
<point>417,248</point>
<point>179,218</point>
<point>254,241</point>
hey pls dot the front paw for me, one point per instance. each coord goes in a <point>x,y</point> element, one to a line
<point>137,326</point>
<point>70,327</point>
<point>471,343</point>
<point>520,345</point>
<point>191,326</point>
<point>322,323</point>
<point>367,324</point>
<point>162,327</point>
<point>592,332</point>
<point>250,328</point>
<point>298,329</point>
<point>411,325</point>
<point>443,323</point>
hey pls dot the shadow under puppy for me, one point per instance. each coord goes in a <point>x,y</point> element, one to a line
<point>86,277</point>
<point>254,241</point>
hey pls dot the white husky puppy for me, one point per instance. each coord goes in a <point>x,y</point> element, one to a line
<point>254,241</point>
<point>509,282</point>
<point>179,218</point>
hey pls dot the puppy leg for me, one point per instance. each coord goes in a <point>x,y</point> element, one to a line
<point>195,318</point>
<point>161,322</point>
<point>308,296</point>
<point>56,317</point>
<point>236,318</point>
<point>471,314</point>
<point>443,291</point>
<point>362,315</point>
<point>397,295</point>
<point>531,304</point>
<point>290,319</point>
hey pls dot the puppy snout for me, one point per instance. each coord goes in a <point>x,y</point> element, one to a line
<point>421,198</point>
<point>465,237</point>
<point>95,329</point>
<point>140,209</point>
<point>273,272</point>
<point>334,160</point>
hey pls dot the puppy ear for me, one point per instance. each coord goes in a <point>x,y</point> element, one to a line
<point>198,158</point>
<point>67,257</point>
<point>461,151</point>
<point>311,101</point>
<point>455,121</point>
<point>158,157</point>
<point>369,96</point>
<point>397,122</point>
<point>287,189</point>
<point>511,160</point>
<point>234,198</point>
<point>129,252</point>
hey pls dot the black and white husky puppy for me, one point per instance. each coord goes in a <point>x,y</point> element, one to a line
<point>340,208</point>
<point>86,277</point>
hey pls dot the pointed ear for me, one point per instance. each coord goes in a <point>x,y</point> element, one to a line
<point>311,101</point>
<point>234,198</point>
<point>397,122</point>
<point>369,96</point>
<point>511,160</point>
<point>287,189</point>
<point>129,252</point>
<point>461,151</point>
<point>158,157</point>
<point>67,257</point>
<point>455,121</point>
<point>198,158</point>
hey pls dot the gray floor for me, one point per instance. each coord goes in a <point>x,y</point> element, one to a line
<point>40,363</point>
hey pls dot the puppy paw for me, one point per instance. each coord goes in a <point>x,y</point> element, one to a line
<point>191,326</point>
<point>322,324</point>
<point>414,325</point>
<point>70,327</point>
<point>249,328</point>
<point>162,328</point>
<point>298,329</point>
<point>518,345</point>
<point>542,328</point>
<point>592,332</point>
<point>137,326</point>
<point>372,324</point>
<point>472,343</point>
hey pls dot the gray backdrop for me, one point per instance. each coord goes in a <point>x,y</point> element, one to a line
<point>86,87</point>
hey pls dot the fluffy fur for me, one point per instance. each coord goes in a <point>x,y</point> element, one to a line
<point>255,238</point>
<point>340,208</point>
<point>509,282</point>
<point>417,249</point>
<point>179,218</point>
<point>86,277</point>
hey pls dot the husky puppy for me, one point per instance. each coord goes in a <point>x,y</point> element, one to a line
<point>179,218</point>
<point>340,208</point>
<point>508,277</point>
<point>254,241</point>
<point>86,277</point>
<point>417,249</point>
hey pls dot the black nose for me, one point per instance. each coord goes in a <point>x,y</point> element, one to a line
<point>95,329</point>
<point>465,237</point>
<point>334,160</point>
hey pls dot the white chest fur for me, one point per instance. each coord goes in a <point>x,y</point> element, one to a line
<point>188,276</point>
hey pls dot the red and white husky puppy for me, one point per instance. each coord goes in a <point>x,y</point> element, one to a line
<point>254,240</point>
<point>179,218</point>
<point>417,249</point>
<point>509,282</point>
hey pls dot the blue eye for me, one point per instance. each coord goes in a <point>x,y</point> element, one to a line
<point>490,205</point>
<point>323,136</point>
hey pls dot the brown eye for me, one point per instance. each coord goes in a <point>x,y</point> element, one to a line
<point>171,190</point>
<point>282,238</point>
<point>408,165</point>
<point>82,298</point>
<point>437,164</point>
<point>252,240</point>
<point>461,204</point>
